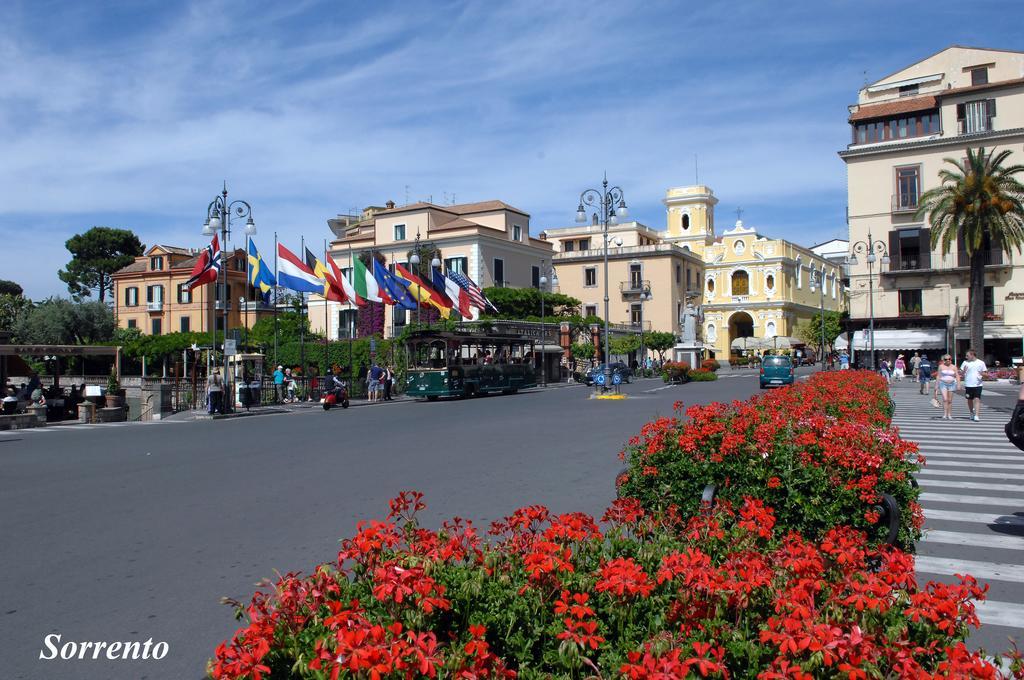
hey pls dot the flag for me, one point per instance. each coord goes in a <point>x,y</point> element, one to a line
<point>207,267</point>
<point>396,291</point>
<point>365,285</point>
<point>460,298</point>
<point>332,289</point>
<point>437,282</point>
<point>346,285</point>
<point>294,275</point>
<point>260,275</point>
<point>476,294</point>
<point>421,291</point>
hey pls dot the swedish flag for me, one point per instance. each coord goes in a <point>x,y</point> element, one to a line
<point>260,275</point>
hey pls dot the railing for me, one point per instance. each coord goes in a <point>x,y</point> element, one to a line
<point>991,313</point>
<point>634,286</point>
<point>257,306</point>
<point>904,203</point>
<point>910,311</point>
<point>157,306</point>
<point>219,305</point>
<point>619,250</point>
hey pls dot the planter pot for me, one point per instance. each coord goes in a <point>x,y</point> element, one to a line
<point>114,400</point>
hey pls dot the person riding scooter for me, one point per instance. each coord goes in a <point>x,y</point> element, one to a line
<point>337,393</point>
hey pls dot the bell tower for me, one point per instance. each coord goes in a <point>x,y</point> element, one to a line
<point>690,214</point>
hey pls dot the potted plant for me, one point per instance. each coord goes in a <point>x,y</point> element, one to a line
<point>114,396</point>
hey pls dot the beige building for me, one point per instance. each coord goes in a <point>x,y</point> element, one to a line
<point>489,242</point>
<point>902,128</point>
<point>745,285</point>
<point>150,294</point>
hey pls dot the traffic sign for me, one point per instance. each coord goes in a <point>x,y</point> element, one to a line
<point>616,378</point>
<point>230,347</point>
<point>599,378</point>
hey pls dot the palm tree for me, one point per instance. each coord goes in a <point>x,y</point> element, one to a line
<point>980,203</point>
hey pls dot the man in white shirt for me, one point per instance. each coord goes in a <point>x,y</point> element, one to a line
<point>972,369</point>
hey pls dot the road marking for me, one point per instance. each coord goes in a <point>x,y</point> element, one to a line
<point>975,486</point>
<point>964,473</point>
<point>997,466</point>
<point>1000,614</point>
<point>971,500</point>
<point>977,517</point>
<point>977,540</point>
<point>929,453</point>
<point>658,389</point>
<point>980,570</point>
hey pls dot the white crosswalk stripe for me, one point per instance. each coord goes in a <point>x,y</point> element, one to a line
<point>51,429</point>
<point>972,491</point>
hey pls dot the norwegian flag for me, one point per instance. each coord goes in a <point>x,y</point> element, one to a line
<point>207,268</point>
<point>476,295</point>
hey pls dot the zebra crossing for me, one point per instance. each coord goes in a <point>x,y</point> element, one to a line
<point>972,491</point>
<point>78,428</point>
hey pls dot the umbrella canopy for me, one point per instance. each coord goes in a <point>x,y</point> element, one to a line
<point>779,342</point>
<point>745,343</point>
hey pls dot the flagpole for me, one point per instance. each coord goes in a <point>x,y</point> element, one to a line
<point>302,319</point>
<point>275,300</point>
<point>326,319</point>
<point>352,331</point>
<point>248,282</point>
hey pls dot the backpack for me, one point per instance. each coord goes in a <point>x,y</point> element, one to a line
<point>925,368</point>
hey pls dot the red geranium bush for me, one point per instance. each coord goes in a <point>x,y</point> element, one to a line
<point>823,453</point>
<point>722,594</point>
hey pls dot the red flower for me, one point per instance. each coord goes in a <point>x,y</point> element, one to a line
<point>622,577</point>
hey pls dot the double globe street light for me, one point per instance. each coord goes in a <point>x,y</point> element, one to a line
<point>612,205</point>
<point>544,271</point>
<point>219,214</point>
<point>869,248</point>
<point>414,260</point>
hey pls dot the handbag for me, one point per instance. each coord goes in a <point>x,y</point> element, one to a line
<point>935,403</point>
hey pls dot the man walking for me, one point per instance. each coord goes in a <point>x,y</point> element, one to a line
<point>386,381</point>
<point>915,361</point>
<point>972,369</point>
<point>279,384</point>
<point>374,377</point>
<point>924,372</point>
<point>215,391</point>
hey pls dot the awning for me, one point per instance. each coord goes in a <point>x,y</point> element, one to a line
<point>891,339</point>
<point>994,332</point>
<point>549,349</point>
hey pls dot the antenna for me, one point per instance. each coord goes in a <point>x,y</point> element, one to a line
<point>453,199</point>
<point>407,194</point>
<point>696,170</point>
<point>865,77</point>
<point>445,198</point>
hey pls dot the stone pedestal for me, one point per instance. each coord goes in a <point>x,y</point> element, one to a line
<point>87,412</point>
<point>39,411</point>
<point>110,415</point>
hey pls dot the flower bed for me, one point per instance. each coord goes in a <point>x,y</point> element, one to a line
<point>822,453</point>
<point>675,371</point>
<point>641,596</point>
<point>703,375</point>
<point>999,374</point>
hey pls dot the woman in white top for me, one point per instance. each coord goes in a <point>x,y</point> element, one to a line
<point>947,381</point>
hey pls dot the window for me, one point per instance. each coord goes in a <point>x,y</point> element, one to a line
<point>636,277</point>
<point>459,265</point>
<point>799,274</point>
<point>711,287</point>
<point>769,329</point>
<point>589,310</point>
<point>517,232</point>
<point>185,324</point>
<point>132,323</point>
<point>157,326</point>
<point>590,276</point>
<point>917,125</point>
<point>156,263</point>
<point>499,273</point>
<point>535,276</point>
<point>688,271</point>
<point>635,314</point>
<point>154,293</point>
<point>220,323</point>
<point>399,232</point>
<point>679,274</point>
<point>908,90</point>
<point>976,116</point>
<point>769,282</point>
<point>909,249</point>
<point>131,297</point>
<point>240,264</point>
<point>570,246</point>
<point>686,222</point>
<point>347,272</point>
<point>908,185</point>
<point>979,76</point>
<point>347,323</point>
<point>401,316</point>
<point>740,283</point>
<point>184,294</point>
<point>910,302</point>
<point>584,244</point>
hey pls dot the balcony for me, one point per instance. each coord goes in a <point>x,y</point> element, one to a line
<point>904,203</point>
<point>219,306</point>
<point>257,306</point>
<point>992,313</point>
<point>157,306</point>
<point>633,287</point>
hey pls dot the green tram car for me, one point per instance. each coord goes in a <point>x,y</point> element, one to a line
<point>465,364</point>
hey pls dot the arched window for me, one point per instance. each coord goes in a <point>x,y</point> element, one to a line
<point>711,286</point>
<point>686,221</point>
<point>712,333</point>
<point>769,329</point>
<point>740,283</point>
<point>769,282</point>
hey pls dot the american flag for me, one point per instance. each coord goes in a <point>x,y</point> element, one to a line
<point>476,295</point>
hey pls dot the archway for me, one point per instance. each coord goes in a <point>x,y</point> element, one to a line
<point>741,325</point>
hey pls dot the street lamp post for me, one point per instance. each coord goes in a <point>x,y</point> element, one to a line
<point>820,278</point>
<point>869,248</point>
<point>219,214</point>
<point>544,269</point>
<point>414,260</point>
<point>645,295</point>
<point>612,204</point>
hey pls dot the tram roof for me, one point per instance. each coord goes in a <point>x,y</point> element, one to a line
<point>468,336</point>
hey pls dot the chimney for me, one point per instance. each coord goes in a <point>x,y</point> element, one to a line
<point>390,205</point>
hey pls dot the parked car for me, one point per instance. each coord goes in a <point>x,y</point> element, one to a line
<point>617,368</point>
<point>777,370</point>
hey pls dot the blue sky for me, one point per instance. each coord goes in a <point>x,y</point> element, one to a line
<point>131,114</point>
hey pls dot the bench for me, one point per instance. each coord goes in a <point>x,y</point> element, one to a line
<point>18,421</point>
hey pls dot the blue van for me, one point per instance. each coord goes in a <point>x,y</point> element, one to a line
<point>777,370</point>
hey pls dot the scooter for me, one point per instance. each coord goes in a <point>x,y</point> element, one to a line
<point>336,396</point>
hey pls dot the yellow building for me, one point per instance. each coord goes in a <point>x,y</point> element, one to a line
<point>741,283</point>
<point>150,294</point>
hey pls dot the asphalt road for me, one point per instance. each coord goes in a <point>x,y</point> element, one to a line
<point>135,532</point>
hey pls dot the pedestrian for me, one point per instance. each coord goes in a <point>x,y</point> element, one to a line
<point>245,392</point>
<point>279,384</point>
<point>915,361</point>
<point>1015,428</point>
<point>386,380</point>
<point>215,391</point>
<point>924,372</point>
<point>885,371</point>
<point>972,370</point>
<point>10,403</point>
<point>374,375</point>
<point>289,383</point>
<point>946,384</point>
<point>899,368</point>
<point>844,361</point>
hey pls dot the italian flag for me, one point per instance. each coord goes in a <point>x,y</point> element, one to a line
<point>366,285</point>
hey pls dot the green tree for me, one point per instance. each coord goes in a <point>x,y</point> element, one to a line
<point>660,342</point>
<point>582,350</point>
<point>10,288</point>
<point>809,330</point>
<point>979,203</point>
<point>624,344</point>
<point>95,255</point>
<point>58,321</point>
<point>290,327</point>
<point>11,309</point>
<point>524,304</point>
